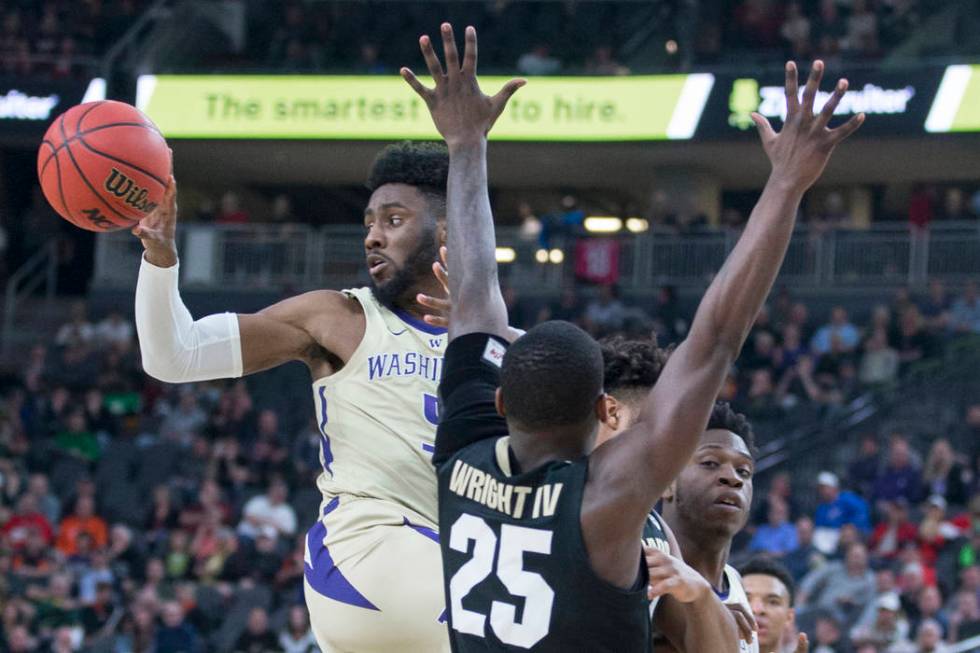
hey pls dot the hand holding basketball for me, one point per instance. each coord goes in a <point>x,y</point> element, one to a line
<point>157,231</point>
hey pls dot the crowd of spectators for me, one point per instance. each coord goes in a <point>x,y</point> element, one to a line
<point>887,563</point>
<point>61,38</point>
<point>136,516</point>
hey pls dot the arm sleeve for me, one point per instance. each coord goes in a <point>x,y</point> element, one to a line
<point>174,347</point>
<point>470,377</point>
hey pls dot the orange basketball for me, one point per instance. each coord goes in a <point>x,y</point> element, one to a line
<point>103,165</point>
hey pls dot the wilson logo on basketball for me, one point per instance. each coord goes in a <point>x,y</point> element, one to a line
<point>122,186</point>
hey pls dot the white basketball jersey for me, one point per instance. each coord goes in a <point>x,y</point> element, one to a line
<point>378,414</point>
<point>736,596</point>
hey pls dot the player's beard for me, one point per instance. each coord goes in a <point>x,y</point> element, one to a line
<point>401,287</point>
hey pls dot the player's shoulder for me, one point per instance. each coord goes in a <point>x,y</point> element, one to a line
<point>329,304</point>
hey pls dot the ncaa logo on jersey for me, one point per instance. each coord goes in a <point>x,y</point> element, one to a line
<point>494,353</point>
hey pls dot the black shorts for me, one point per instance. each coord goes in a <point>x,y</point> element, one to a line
<point>470,378</point>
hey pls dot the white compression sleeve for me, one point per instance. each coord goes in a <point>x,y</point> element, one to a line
<point>175,348</point>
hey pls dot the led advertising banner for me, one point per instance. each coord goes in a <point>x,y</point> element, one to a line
<point>640,108</point>
<point>957,104</point>
<point>896,103</point>
<point>28,106</point>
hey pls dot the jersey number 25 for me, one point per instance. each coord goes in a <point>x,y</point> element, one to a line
<point>538,595</point>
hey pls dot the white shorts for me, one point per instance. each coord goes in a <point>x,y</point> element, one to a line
<point>373,580</point>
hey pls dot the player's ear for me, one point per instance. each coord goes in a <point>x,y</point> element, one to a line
<point>603,411</point>
<point>792,617</point>
<point>441,231</point>
<point>498,401</point>
<point>668,494</point>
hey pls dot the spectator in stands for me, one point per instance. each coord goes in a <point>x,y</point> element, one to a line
<point>231,211</point>
<point>269,509</point>
<point>296,636</point>
<point>368,61</point>
<point>795,32</point>
<point>879,362</point>
<point>602,62</point>
<point>935,531</point>
<point>95,616</point>
<point>901,478</point>
<point>76,439</point>
<point>944,475</point>
<point>538,61</point>
<point>929,638</point>
<point>935,308</point>
<point>115,330</point>
<point>184,421</point>
<point>827,636</point>
<point>836,509</point>
<point>862,30</point>
<point>82,520</point>
<point>47,503</point>
<point>894,532</point>
<point>965,314</point>
<point>838,326</point>
<point>914,342</point>
<point>96,575</point>
<point>843,588</point>
<point>27,520</point>
<point>863,472</point>
<point>964,622</point>
<point>887,627</point>
<point>929,607</point>
<point>257,637</point>
<point>78,330</point>
<point>606,313</point>
<point>805,557</point>
<point>175,635</point>
<point>777,537</point>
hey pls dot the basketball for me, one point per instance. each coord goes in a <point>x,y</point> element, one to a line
<point>103,166</point>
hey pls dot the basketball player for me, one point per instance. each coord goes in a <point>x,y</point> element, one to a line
<point>771,591</point>
<point>373,569</point>
<point>540,540</point>
<point>630,370</point>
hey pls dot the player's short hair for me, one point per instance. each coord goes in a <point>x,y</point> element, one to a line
<point>725,418</point>
<point>632,363</point>
<point>551,376</point>
<point>762,566</point>
<point>423,165</point>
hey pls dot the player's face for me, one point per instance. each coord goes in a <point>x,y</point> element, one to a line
<point>769,599</point>
<point>715,489</point>
<point>401,241</point>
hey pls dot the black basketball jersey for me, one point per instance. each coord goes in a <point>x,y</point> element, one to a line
<point>655,536</point>
<point>518,575</point>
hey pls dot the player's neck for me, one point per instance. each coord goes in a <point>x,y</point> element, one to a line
<point>705,553</point>
<point>535,449</point>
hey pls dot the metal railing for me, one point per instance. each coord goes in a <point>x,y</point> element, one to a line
<point>39,270</point>
<point>299,256</point>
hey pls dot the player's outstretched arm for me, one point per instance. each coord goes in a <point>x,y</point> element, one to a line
<point>640,463</point>
<point>177,349</point>
<point>464,115</point>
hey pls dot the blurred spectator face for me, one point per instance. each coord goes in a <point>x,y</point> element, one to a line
<point>930,601</point>
<point>278,492</point>
<point>778,513</point>
<point>911,320</point>
<point>881,316</point>
<point>155,570</point>
<point>161,494</point>
<point>869,446</point>
<point>85,507</point>
<point>27,505</point>
<point>791,337</point>
<point>282,207</point>
<point>59,586</point>
<point>885,581</point>
<point>827,631</point>
<point>258,621</point>
<point>761,383</point>
<point>878,341</point>
<point>268,422</point>
<point>781,485</point>
<point>172,614</point>
<point>764,343</point>
<point>968,605</point>
<point>804,530</point>
<point>799,314</point>
<point>849,535</point>
<point>120,537</point>
<point>970,578</point>
<point>898,454</point>
<point>827,492</point>
<point>299,620</point>
<point>973,416</point>
<point>38,485</point>
<point>229,203</point>
<point>937,291</point>
<point>76,422</point>
<point>19,640</point>
<point>103,594</point>
<point>64,639</point>
<point>856,559</point>
<point>838,317</point>
<point>929,636</point>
